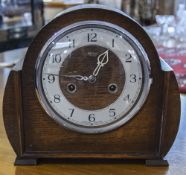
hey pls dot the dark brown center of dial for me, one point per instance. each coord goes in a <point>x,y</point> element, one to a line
<point>97,92</point>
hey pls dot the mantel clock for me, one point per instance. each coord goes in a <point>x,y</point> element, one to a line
<point>91,86</point>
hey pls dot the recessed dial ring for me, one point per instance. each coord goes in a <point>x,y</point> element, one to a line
<point>92,76</point>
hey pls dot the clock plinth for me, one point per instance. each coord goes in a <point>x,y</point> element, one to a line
<point>148,134</point>
<point>157,162</point>
<point>25,161</point>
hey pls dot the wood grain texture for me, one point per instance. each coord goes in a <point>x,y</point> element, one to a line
<point>171,109</point>
<point>12,116</point>
<point>176,156</point>
<point>92,96</point>
<point>142,137</point>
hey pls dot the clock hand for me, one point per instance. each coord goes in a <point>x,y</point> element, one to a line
<point>101,61</point>
<point>77,77</point>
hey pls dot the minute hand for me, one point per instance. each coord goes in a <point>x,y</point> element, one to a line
<point>101,61</point>
<point>77,77</point>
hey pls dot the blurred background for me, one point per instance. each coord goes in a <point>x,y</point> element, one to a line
<point>20,20</point>
<point>164,20</point>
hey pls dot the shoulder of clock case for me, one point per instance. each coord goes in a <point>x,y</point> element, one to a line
<point>91,75</point>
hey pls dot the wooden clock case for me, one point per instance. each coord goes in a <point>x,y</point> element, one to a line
<point>34,135</point>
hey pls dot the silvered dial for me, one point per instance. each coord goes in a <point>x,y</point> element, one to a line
<point>92,76</point>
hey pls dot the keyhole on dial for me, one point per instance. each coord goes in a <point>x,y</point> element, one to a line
<point>71,88</point>
<point>112,88</point>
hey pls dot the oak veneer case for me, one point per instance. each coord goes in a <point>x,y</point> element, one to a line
<point>149,135</point>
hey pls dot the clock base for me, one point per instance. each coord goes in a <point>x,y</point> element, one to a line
<point>33,162</point>
<point>157,162</point>
<point>25,161</point>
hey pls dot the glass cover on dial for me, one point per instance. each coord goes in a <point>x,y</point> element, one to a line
<point>92,76</point>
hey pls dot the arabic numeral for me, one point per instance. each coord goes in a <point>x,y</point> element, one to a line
<point>91,118</point>
<point>56,58</point>
<point>112,112</point>
<point>72,112</point>
<point>113,42</point>
<point>51,79</point>
<point>57,98</point>
<point>72,43</point>
<point>127,98</point>
<point>92,37</point>
<point>133,78</point>
<point>128,57</point>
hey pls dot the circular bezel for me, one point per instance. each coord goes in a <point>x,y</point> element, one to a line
<point>136,106</point>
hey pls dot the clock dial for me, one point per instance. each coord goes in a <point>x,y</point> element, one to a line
<point>92,77</point>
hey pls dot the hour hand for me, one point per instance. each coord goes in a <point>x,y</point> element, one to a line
<point>101,61</point>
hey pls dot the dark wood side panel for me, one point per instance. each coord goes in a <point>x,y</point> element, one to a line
<point>12,111</point>
<point>170,112</point>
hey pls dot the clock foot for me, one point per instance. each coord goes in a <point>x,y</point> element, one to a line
<point>157,162</point>
<point>25,161</point>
